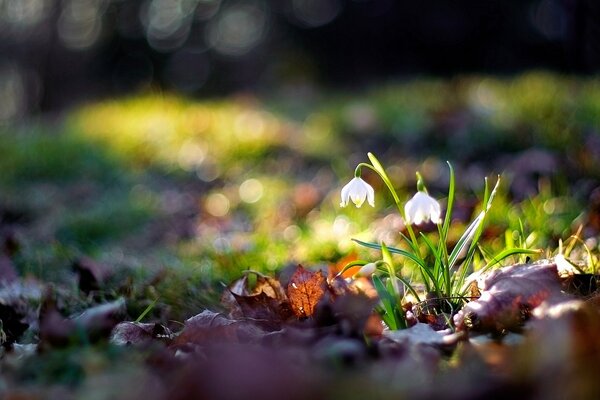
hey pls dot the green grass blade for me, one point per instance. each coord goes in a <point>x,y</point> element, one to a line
<point>449,205</point>
<point>386,303</point>
<point>387,259</point>
<point>507,253</point>
<point>147,310</point>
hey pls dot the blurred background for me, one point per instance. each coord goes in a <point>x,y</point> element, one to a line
<point>57,53</point>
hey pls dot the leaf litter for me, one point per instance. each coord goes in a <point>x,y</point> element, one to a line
<point>286,338</point>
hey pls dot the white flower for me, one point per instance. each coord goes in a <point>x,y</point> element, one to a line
<point>366,270</point>
<point>422,208</point>
<point>357,190</point>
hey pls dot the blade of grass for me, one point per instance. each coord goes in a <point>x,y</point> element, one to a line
<point>386,303</point>
<point>147,310</point>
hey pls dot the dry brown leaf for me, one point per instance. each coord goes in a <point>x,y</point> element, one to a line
<point>509,295</point>
<point>269,312</point>
<point>134,333</point>
<point>270,287</point>
<point>210,327</point>
<point>228,298</point>
<point>305,290</point>
<point>93,324</point>
<point>266,303</point>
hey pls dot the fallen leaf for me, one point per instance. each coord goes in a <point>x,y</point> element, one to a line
<point>270,287</point>
<point>238,287</point>
<point>210,327</point>
<point>93,324</point>
<point>351,312</point>
<point>305,290</point>
<point>99,320</point>
<point>509,295</point>
<point>269,312</point>
<point>135,333</point>
<point>266,303</point>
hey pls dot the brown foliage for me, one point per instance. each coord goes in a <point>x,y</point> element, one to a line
<point>508,297</point>
<point>305,290</point>
<point>210,327</point>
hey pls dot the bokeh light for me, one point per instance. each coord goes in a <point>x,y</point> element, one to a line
<point>80,23</point>
<point>315,13</point>
<point>217,204</point>
<point>251,190</point>
<point>238,28</point>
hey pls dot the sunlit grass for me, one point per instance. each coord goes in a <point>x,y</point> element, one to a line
<point>174,132</point>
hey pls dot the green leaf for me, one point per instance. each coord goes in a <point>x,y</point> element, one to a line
<point>147,310</point>
<point>450,204</point>
<point>386,303</point>
<point>420,263</point>
<point>507,253</point>
<point>464,240</point>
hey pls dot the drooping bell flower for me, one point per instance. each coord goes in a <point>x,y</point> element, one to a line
<point>358,191</point>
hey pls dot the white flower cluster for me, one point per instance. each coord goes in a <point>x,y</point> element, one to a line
<point>421,208</point>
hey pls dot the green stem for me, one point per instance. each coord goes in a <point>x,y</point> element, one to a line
<point>390,187</point>
<point>445,263</point>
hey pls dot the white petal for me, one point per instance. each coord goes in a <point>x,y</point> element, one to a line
<point>435,213</point>
<point>370,195</point>
<point>357,191</point>
<point>422,208</point>
<point>367,270</point>
<point>346,194</point>
<point>358,199</point>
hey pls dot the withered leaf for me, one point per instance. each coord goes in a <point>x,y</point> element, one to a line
<point>209,327</point>
<point>509,295</point>
<point>95,323</point>
<point>352,312</point>
<point>269,312</point>
<point>138,333</point>
<point>305,290</point>
<point>239,287</point>
<point>266,303</point>
<point>270,287</point>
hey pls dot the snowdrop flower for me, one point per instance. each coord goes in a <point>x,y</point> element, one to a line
<point>366,270</point>
<point>422,208</point>
<point>357,190</point>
